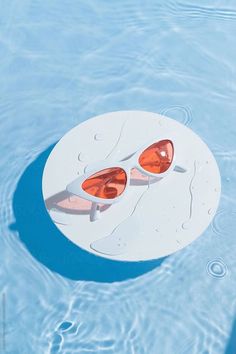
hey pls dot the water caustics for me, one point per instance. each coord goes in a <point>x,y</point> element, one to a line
<point>62,63</point>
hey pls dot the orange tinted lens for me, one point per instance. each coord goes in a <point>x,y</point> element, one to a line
<point>106,184</point>
<point>157,157</point>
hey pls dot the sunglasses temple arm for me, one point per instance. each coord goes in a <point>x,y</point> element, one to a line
<point>94,212</point>
<point>180,169</point>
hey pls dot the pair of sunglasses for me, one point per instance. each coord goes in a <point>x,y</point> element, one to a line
<point>107,182</point>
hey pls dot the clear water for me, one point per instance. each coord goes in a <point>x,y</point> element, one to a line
<point>62,62</point>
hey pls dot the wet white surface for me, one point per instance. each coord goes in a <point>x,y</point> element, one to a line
<point>151,221</point>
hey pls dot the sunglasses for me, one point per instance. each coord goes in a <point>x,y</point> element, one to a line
<point>107,182</point>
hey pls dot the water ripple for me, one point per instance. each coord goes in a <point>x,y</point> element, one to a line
<point>181,113</point>
<point>63,63</point>
<point>216,268</point>
<point>211,13</point>
<point>224,222</point>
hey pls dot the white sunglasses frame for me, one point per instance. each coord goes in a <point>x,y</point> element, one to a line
<point>127,164</point>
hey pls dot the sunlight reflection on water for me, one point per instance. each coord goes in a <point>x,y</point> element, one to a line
<point>64,62</point>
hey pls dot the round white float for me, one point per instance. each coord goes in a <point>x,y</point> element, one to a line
<point>152,220</point>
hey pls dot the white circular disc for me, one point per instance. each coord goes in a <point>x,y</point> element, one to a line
<point>152,220</point>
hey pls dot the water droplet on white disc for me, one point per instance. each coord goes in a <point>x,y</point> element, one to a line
<point>82,157</point>
<point>99,137</point>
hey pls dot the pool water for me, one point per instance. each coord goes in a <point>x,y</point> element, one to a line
<point>63,62</point>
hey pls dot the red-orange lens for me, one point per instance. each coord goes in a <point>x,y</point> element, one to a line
<point>157,157</point>
<point>106,184</point>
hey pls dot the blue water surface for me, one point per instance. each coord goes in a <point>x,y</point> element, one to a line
<point>62,62</point>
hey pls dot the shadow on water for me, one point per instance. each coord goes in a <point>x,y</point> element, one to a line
<point>48,245</point>
<point>231,346</point>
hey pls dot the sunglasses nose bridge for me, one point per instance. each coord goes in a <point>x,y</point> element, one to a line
<point>127,167</point>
